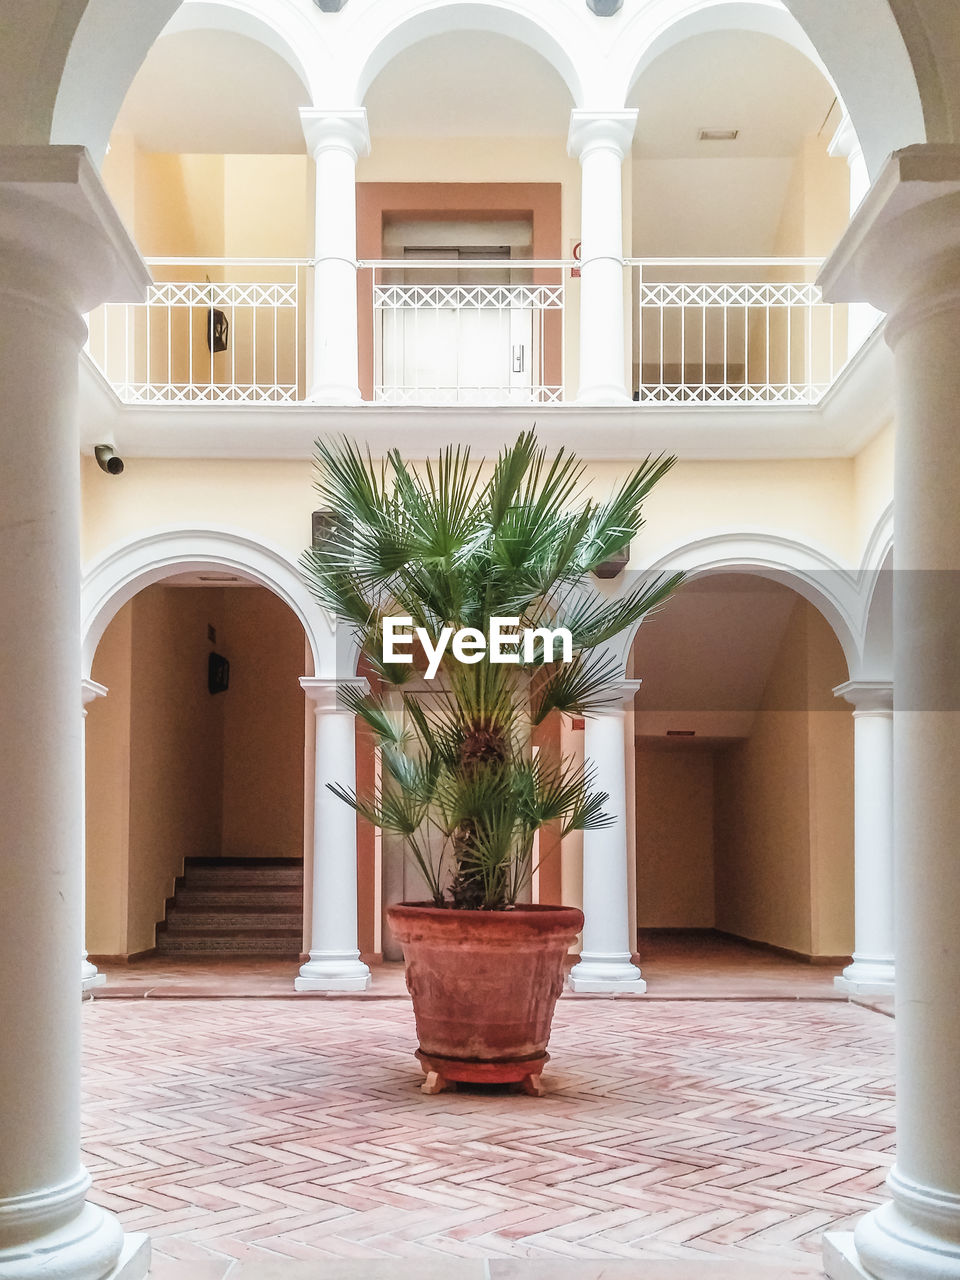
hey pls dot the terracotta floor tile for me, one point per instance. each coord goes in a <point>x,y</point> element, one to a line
<point>288,1133</point>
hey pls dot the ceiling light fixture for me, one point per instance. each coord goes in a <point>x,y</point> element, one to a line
<point>718,135</point>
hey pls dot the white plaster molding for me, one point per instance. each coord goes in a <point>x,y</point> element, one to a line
<point>116,575</point>
<point>892,252</point>
<point>66,1237</point>
<point>867,697</point>
<point>851,413</point>
<point>55,214</point>
<point>601,131</point>
<point>345,130</point>
<point>289,30</point>
<point>809,570</point>
<point>324,692</point>
<point>880,543</point>
<point>89,690</point>
<point>558,32</point>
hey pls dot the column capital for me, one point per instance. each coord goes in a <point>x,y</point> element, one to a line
<point>845,142</point>
<point>901,251</point>
<point>61,232</point>
<point>324,691</point>
<point>89,691</point>
<point>345,130</point>
<point>619,698</point>
<point>867,695</point>
<point>601,131</point>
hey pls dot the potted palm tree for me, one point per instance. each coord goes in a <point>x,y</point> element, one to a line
<point>467,589</point>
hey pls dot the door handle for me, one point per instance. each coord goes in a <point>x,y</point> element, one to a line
<point>519,352</point>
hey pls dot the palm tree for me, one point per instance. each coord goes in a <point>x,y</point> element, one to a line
<point>447,548</point>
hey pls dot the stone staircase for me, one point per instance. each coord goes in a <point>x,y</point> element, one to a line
<point>235,907</point>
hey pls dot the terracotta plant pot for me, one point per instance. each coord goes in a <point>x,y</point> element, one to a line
<point>484,986</point>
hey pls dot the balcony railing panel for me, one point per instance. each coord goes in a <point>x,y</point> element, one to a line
<point>734,331</point>
<point>219,331</point>
<point>745,331</point>
<point>444,340</point>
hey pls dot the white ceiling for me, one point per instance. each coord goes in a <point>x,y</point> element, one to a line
<point>468,84</point>
<point>214,92</point>
<point>729,80</point>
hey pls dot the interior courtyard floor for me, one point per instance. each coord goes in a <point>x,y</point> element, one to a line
<point>681,966</point>
<point>716,1131</point>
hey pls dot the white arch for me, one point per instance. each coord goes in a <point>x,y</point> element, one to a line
<point>836,592</point>
<point>386,28</point>
<point>113,38</point>
<point>863,56</point>
<point>117,575</point>
<point>668,27</point>
<point>877,624</point>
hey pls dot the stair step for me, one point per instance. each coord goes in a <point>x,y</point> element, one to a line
<point>260,896</point>
<point>238,876</point>
<point>235,907</point>
<point>234,946</point>
<point>241,919</point>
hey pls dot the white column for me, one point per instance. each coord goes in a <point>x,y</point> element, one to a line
<point>335,139</point>
<point>334,963</point>
<point>62,251</point>
<point>90,975</point>
<point>902,253</point>
<point>606,959</point>
<point>872,971</point>
<point>862,319</point>
<point>600,140</point>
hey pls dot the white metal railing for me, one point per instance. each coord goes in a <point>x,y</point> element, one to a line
<point>470,332</point>
<point>734,331</point>
<point>234,338</point>
<point>708,331</point>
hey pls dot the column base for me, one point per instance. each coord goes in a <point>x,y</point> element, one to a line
<point>90,976</point>
<point>90,1246</point>
<point>333,972</point>
<point>917,1235</point>
<point>840,1260</point>
<point>334,395</point>
<point>867,977</point>
<point>605,975</point>
<point>604,395</point>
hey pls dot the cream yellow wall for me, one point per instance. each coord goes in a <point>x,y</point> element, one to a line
<point>263,737</point>
<point>675,818</point>
<point>816,207</point>
<point>176,744</point>
<point>830,756</point>
<point>810,501</point>
<point>108,791</point>
<point>873,483</point>
<point>212,205</point>
<point>763,811</point>
<point>784,826</point>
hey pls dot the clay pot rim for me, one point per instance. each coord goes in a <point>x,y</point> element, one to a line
<point>523,911</point>
<point>527,927</point>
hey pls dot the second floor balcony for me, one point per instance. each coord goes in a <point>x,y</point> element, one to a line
<point>435,331</point>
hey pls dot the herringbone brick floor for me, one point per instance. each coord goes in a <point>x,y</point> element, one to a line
<point>275,1129</point>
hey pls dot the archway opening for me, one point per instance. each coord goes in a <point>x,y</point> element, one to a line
<point>744,772</point>
<point>732,161</point>
<point>195,767</point>
<point>466,189</point>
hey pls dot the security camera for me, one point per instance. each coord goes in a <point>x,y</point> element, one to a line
<point>108,459</point>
